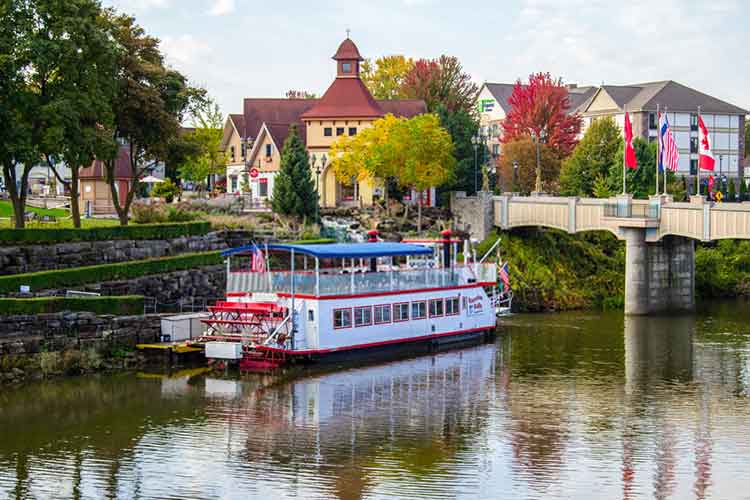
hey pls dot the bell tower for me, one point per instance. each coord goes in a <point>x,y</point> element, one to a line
<point>347,59</point>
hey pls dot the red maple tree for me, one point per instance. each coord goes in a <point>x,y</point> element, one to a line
<point>542,105</point>
<point>439,82</point>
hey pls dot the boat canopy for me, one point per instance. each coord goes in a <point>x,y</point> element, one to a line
<point>342,250</point>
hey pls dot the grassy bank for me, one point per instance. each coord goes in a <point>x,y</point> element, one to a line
<point>722,269</point>
<point>6,210</point>
<point>123,305</point>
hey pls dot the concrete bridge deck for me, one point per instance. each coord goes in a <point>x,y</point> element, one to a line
<point>660,235</point>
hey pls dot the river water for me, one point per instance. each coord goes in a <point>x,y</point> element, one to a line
<point>576,405</point>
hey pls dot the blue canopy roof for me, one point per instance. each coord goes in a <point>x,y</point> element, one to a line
<point>341,250</point>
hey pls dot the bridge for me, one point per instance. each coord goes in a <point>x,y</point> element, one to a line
<point>659,235</point>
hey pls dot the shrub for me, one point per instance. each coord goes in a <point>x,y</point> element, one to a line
<point>135,232</point>
<point>167,190</point>
<point>148,213</point>
<point>732,191</point>
<point>178,214</point>
<point>124,305</point>
<point>743,190</point>
<point>62,278</point>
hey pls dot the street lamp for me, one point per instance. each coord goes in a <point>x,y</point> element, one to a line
<point>475,143</point>
<point>538,138</point>
<point>318,168</point>
<point>515,175</point>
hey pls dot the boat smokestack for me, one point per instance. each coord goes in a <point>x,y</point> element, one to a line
<point>446,248</point>
<point>372,237</point>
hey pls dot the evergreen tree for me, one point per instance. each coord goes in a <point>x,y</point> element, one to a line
<point>294,192</point>
<point>743,190</point>
<point>640,181</point>
<point>462,127</point>
<point>732,191</point>
<point>593,157</point>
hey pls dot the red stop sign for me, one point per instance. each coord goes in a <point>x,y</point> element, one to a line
<point>254,173</point>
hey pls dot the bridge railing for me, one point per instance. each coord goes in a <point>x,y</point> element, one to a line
<point>631,211</point>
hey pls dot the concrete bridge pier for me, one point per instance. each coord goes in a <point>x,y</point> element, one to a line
<point>659,276</point>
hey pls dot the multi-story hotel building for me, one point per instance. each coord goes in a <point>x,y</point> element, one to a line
<point>725,121</point>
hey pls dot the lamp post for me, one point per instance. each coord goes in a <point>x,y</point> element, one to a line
<point>538,138</point>
<point>475,143</point>
<point>318,168</point>
<point>515,175</point>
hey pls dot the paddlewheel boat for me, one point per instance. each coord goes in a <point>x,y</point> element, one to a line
<point>308,303</point>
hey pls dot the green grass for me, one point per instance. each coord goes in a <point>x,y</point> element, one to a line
<point>42,233</point>
<point>122,305</point>
<point>64,278</point>
<point>6,210</point>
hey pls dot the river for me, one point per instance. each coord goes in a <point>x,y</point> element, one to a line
<point>584,405</point>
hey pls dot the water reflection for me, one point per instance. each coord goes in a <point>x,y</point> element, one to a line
<point>580,405</point>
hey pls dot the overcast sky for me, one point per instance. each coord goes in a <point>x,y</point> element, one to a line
<point>254,48</point>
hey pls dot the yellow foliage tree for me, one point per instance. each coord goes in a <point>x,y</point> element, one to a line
<point>385,78</point>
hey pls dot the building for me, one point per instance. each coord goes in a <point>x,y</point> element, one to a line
<point>253,139</point>
<point>725,121</point>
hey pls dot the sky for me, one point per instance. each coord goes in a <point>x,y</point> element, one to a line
<point>254,48</point>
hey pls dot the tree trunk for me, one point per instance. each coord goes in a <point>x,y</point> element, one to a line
<point>419,212</point>
<point>385,197</point>
<point>17,197</point>
<point>75,209</point>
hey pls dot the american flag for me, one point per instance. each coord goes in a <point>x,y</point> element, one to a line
<point>502,273</point>
<point>669,156</point>
<point>258,264</point>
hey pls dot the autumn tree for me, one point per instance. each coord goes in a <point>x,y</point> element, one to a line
<point>592,158</point>
<point>441,81</point>
<point>300,94</point>
<point>149,105</point>
<point>540,108</point>
<point>294,193</point>
<point>517,166</point>
<point>461,126</point>
<point>385,78</point>
<point>207,158</point>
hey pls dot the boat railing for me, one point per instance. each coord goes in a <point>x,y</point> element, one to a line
<point>360,282</point>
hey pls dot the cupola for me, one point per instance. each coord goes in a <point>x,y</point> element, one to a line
<point>347,60</point>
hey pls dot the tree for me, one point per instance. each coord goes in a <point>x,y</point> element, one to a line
<point>167,190</point>
<point>732,191</point>
<point>541,106</point>
<point>148,107</point>
<point>592,158</point>
<point>208,158</point>
<point>522,152</point>
<point>641,182</point>
<point>461,126</point>
<point>18,112</point>
<point>300,94</point>
<point>743,190</point>
<point>441,81</point>
<point>294,192</point>
<point>385,79</point>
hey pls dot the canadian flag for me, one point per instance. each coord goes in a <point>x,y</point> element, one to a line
<point>705,156</point>
<point>630,159</point>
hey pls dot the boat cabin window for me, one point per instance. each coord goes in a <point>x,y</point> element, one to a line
<point>310,315</point>
<point>401,311</point>
<point>418,310</point>
<point>362,316</point>
<point>342,318</point>
<point>451,306</point>
<point>436,307</point>
<point>383,314</point>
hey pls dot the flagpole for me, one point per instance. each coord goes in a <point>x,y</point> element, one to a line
<point>658,145</point>
<point>698,164</point>
<point>665,168</point>
<point>624,151</point>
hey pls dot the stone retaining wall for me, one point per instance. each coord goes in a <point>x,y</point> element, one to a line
<point>31,258</point>
<point>34,346</point>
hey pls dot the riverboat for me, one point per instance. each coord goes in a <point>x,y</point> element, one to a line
<point>291,303</point>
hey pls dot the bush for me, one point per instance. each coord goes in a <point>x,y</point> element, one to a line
<point>167,190</point>
<point>732,191</point>
<point>10,236</point>
<point>178,214</point>
<point>125,305</point>
<point>743,190</point>
<point>62,278</point>
<point>148,213</point>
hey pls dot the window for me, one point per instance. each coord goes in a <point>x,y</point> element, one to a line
<point>652,121</point>
<point>269,149</point>
<point>693,121</point>
<point>233,183</point>
<point>328,131</point>
<point>352,130</point>
<point>693,167</point>
<point>362,316</point>
<point>310,315</point>
<point>451,306</point>
<point>401,312</point>
<point>342,318</point>
<point>436,307</point>
<point>496,150</point>
<point>418,310</point>
<point>382,314</point>
<point>244,149</point>
<point>339,131</point>
<point>346,67</point>
<point>231,152</point>
<point>263,188</point>
<point>693,144</point>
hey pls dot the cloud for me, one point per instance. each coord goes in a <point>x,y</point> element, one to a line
<point>148,4</point>
<point>184,51</point>
<point>222,7</point>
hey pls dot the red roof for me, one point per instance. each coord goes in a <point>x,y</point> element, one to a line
<point>403,107</point>
<point>345,98</point>
<point>280,131</point>
<point>347,50</point>
<point>277,111</point>
<point>239,124</point>
<point>122,167</point>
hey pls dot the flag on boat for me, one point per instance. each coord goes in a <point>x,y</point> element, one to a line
<point>670,156</point>
<point>258,264</point>
<point>705,156</point>
<point>630,160</point>
<point>502,273</point>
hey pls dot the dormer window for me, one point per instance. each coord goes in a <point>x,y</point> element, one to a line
<point>346,67</point>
